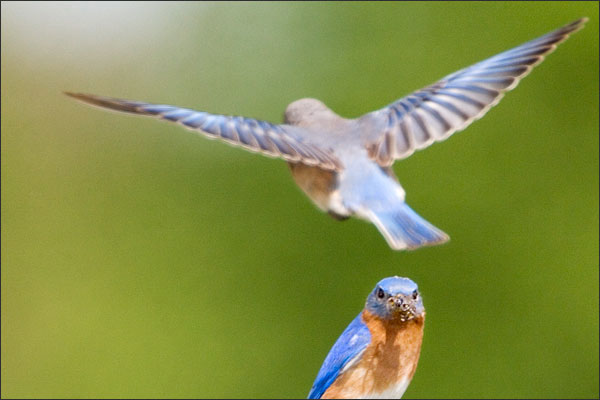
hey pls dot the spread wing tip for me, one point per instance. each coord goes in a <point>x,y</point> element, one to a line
<point>105,102</point>
<point>434,113</point>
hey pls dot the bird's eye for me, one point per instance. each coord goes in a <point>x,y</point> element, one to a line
<point>415,295</point>
<point>380,293</point>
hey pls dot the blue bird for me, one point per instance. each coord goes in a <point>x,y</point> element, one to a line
<point>345,165</point>
<point>377,355</point>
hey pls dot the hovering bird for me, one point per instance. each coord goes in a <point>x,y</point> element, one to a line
<point>377,355</point>
<point>345,165</point>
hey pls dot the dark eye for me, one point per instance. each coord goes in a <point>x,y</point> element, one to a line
<point>415,295</point>
<point>380,293</point>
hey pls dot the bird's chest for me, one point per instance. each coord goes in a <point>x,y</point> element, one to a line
<point>387,365</point>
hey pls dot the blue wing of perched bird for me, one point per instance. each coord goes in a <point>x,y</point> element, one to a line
<point>346,350</point>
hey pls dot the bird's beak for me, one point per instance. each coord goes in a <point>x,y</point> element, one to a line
<point>402,307</point>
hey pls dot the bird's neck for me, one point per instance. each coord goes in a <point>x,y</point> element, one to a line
<point>380,327</point>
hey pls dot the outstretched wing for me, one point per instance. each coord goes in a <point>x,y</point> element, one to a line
<point>344,353</point>
<point>284,141</point>
<point>434,113</point>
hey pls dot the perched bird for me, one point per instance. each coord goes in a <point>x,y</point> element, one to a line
<point>344,165</point>
<point>377,355</point>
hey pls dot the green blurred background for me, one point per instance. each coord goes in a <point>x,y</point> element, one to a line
<point>139,260</point>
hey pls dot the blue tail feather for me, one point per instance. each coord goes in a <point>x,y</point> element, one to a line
<point>405,229</point>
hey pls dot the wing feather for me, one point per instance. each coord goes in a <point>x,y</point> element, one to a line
<point>346,350</point>
<point>283,141</point>
<point>434,113</point>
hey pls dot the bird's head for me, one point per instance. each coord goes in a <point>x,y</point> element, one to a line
<point>395,298</point>
<point>304,112</point>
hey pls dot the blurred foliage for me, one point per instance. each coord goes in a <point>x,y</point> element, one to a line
<point>139,260</point>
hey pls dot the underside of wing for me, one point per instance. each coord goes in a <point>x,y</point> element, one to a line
<point>434,113</point>
<point>283,141</point>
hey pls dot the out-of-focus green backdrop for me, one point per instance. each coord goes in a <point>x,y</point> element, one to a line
<point>140,260</point>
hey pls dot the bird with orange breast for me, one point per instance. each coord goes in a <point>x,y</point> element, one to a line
<point>377,355</point>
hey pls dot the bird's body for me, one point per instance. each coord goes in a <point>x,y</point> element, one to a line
<point>344,165</point>
<point>377,355</point>
<point>362,188</point>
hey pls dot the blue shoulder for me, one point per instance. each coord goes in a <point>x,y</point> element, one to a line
<point>351,343</point>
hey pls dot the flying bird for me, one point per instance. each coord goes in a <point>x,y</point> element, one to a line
<point>345,165</point>
<point>377,355</point>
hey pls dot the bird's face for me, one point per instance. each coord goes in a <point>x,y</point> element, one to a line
<point>396,298</point>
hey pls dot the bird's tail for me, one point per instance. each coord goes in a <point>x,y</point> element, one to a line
<point>405,229</point>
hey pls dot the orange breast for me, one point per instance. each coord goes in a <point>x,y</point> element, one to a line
<point>389,359</point>
<point>317,183</point>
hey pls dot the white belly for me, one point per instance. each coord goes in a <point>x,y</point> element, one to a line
<point>392,392</point>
